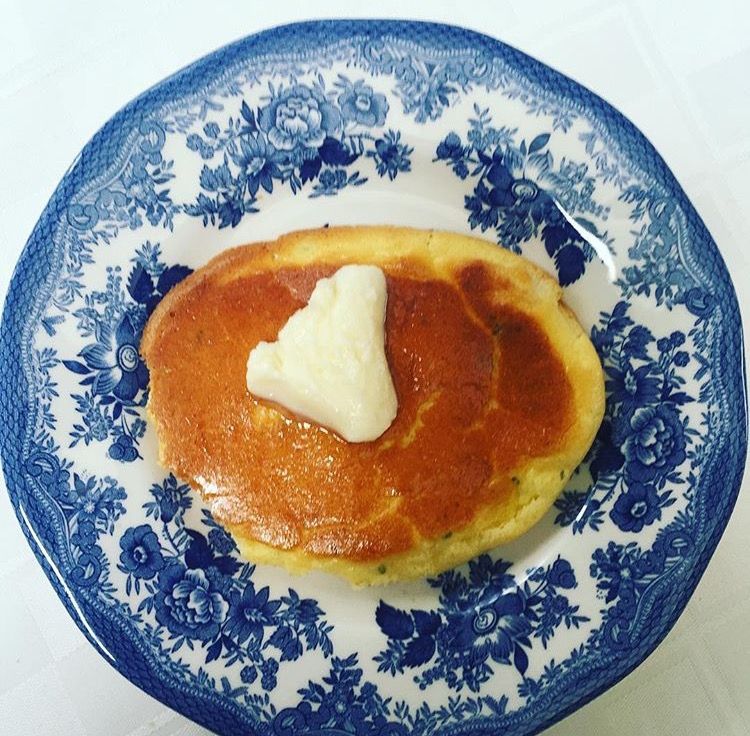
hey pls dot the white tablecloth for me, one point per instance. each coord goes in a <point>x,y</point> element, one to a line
<point>681,72</point>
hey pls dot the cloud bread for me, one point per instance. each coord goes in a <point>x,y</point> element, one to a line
<point>500,395</point>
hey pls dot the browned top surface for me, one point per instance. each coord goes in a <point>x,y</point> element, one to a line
<point>479,387</point>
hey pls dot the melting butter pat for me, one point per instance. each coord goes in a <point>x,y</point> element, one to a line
<point>328,363</point>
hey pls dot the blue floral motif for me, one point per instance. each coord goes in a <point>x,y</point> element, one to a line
<point>90,508</point>
<point>251,612</point>
<point>190,602</point>
<point>425,90</point>
<point>299,118</point>
<point>360,104</point>
<point>623,574</point>
<point>258,162</point>
<point>96,502</point>
<point>427,87</point>
<point>391,156</point>
<point>138,191</point>
<point>117,367</point>
<point>344,705</point>
<point>657,267</point>
<point>482,619</point>
<point>520,194</point>
<point>112,370</point>
<point>204,595</point>
<point>561,575</point>
<point>221,541</point>
<point>45,469</point>
<point>639,506</point>
<point>332,181</point>
<point>85,535</point>
<point>644,438</point>
<point>171,499</point>
<point>634,387</point>
<point>141,552</point>
<point>654,443</point>
<point>304,134</point>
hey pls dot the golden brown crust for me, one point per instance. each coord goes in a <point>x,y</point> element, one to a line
<point>517,283</point>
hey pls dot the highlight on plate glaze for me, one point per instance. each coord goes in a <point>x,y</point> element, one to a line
<point>498,644</point>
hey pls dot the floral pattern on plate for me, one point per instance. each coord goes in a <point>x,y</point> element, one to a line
<point>350,121</point>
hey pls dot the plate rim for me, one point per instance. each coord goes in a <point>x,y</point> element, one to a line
<point>89,165</point>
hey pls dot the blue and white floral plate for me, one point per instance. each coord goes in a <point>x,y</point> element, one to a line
<point>372,122</point>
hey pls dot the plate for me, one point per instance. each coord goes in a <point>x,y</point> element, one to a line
<point>372,122</point>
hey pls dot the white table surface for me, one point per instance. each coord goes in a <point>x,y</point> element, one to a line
<point>683,77</point>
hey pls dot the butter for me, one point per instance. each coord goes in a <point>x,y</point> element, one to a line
<point>328,363</point>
